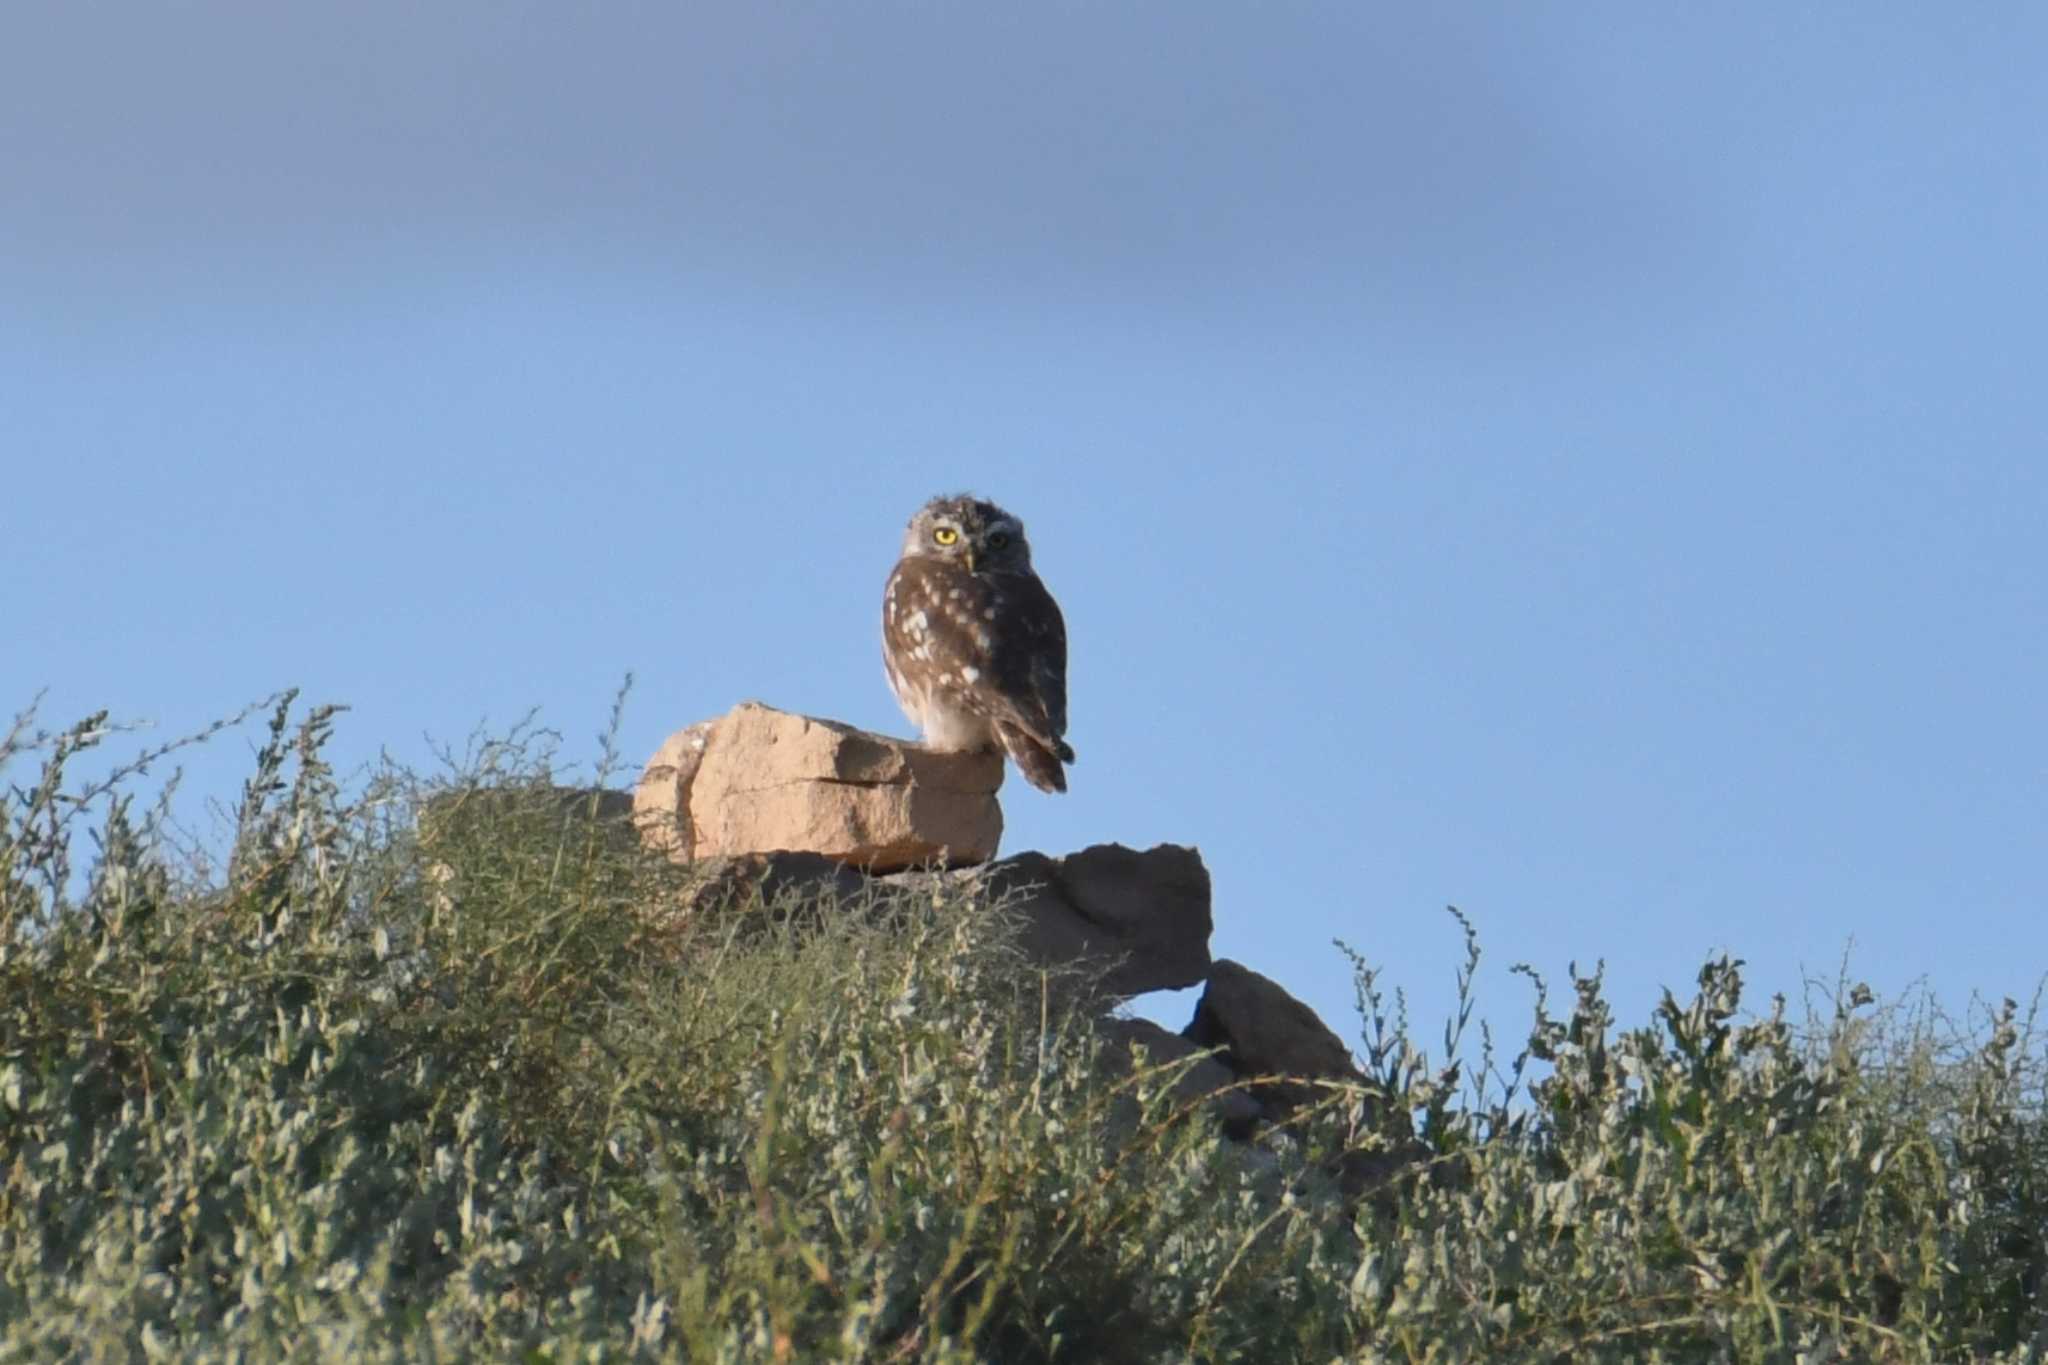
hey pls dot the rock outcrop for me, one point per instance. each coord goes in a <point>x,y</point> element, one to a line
<point>1138,921</point>
<point>759,780</point>
<point>787,806</point>
<point>1262,1031</point>
<point>1127,1041</point>
<point>774,879</point>
<point>661,803</point>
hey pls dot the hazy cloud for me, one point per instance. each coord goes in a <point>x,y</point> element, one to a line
<point>1157,147</point>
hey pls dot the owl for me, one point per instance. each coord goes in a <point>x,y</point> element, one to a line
<point>975,647</point>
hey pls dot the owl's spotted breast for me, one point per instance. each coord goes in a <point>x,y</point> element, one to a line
<point>938,630</point>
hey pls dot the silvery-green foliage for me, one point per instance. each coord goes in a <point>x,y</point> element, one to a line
<point>448,1070</point>
<point>1711,1188</point>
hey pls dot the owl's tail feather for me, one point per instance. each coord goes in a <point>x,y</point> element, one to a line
<point>1039,764</point>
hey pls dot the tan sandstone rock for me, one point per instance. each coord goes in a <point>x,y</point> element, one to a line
<point>661,803</point>
<point>759,780</point>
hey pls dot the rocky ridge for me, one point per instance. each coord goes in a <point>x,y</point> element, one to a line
<point>786,801</point>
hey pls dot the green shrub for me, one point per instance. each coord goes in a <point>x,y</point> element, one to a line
<point>448,1068</point>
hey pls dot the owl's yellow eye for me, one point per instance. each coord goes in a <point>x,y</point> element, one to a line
<point>945,535</point>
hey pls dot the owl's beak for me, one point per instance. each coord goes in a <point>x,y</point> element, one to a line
<point>969,557</point>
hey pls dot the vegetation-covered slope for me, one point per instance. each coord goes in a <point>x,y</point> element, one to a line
<point>481,1092</point>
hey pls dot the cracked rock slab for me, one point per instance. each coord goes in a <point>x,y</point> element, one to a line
<point>759,780</point>
<point>661,803</point>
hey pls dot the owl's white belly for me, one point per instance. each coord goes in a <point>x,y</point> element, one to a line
<point>947,726</point>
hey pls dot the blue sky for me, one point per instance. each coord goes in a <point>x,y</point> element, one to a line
<point>1580,463</point>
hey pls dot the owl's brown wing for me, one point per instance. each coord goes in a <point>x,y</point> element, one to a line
<point>1030,659</point>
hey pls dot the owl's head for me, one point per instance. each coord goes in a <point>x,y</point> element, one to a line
<point>980,536</point>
